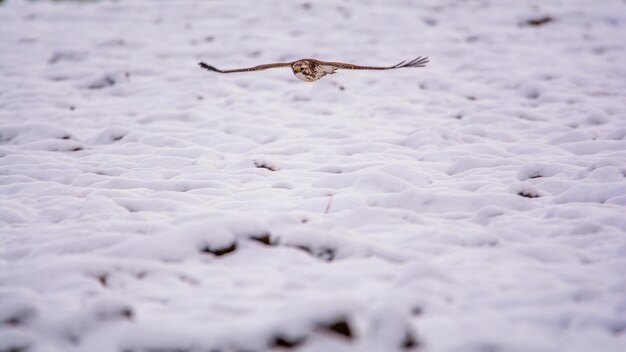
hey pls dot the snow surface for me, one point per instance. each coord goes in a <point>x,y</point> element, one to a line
<point>475,205</point>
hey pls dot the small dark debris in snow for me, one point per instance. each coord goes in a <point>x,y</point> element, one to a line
<point>14,349</point>
<point>117,138</point>
<point>327,254</point>
<point>409,342</point>
<point>13,321</point>
<point>188,280</point>
<point>220,251</point>
<point>599,50</point>
<point>58,78</point>
<point>20,318</point>
<point>76,149</point>
<point>330,203</point>
<point>470,97</point>
<point>127,313</point>
<point>107,81</point>
<point>263,238</point>
<point>5,138</point>
<point>130,208</point>
<point>200,97</point>
<point>458,116</point>
<point>617,329</point>
<point>339,86</point>
<point>539,21</point>
<point>307,6</point>
<point>72,108</point>
<point>429,21</point>
<point>66,137</point>
<point>72,338</point>
<point>265,165</point>
<point>298,98</point>
<point>528,194</point>
<point>124,313</point>
<point>339,327</point>
<point>66,56</point>
<point>282,341</point>
<point>306,249</point>
<point>417,311</point>
<point>103,279</point>
<point>532,94</point>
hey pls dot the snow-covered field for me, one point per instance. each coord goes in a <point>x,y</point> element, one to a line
<point>475,205</point>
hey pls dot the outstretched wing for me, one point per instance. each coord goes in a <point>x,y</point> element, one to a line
<point>247,69</point>
<point>418,62</point>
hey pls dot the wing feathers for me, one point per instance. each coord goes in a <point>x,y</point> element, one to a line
<point>247,69</point>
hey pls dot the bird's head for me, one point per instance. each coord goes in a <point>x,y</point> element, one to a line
<point>300,66</point>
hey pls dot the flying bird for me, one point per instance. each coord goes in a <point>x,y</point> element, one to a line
<point>310,70</point>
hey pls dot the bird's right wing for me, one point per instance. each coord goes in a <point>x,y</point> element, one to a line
<point>247,69</point>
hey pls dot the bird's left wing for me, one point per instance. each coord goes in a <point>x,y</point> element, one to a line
<point>418,62</point>
<point>247,69</point>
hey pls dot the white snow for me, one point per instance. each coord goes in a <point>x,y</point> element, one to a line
<point>475,205</point>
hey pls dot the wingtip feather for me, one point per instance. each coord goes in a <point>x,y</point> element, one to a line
<point>208,67</point>
<point>417,62</point>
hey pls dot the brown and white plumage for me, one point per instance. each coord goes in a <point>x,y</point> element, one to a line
<point>311,70</point>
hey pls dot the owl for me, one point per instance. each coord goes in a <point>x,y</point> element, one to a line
<point>311,70</point>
